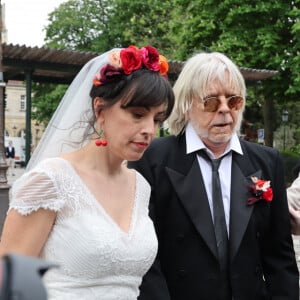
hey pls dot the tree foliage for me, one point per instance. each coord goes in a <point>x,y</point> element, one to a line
<point>45,101</point>
<point>79,25</point>
<point>255,34</point>
<point>141,22</point>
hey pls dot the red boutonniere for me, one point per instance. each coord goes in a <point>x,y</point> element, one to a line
<point>260,190</point>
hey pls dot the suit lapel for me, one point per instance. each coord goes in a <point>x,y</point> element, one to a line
<point>240,212</point>
<point>191,192</point>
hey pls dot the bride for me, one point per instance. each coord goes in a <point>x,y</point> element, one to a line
<point>78,205</point>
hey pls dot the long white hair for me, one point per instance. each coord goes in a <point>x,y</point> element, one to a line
<point>198,72</point>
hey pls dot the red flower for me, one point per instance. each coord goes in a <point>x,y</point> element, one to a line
<point>107,74</point>
<point>268,195</point>
<point>261,190</point>
<point>131,59</point>
<point>163,65</point>
<point>150,58</point>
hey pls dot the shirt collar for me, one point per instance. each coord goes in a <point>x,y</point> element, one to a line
<point>194,143</point>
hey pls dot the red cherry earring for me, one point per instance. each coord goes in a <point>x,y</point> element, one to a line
<point>100,142</point>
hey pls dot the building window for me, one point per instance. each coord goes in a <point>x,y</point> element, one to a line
<point>23,102</point>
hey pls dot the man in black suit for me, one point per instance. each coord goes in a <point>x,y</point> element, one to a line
<point>10,158</point>
<point>239,247</point>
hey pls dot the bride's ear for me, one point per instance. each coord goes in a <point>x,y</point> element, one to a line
<point>98,103</point>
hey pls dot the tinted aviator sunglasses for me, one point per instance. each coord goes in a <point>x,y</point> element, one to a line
<point>211,104</point>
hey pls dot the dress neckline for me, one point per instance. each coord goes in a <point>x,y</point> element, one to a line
<point>100,206</point>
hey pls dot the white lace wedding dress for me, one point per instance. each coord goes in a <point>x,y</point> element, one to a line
<point>97,259</point>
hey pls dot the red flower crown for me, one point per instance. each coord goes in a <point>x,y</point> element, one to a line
<point>128,60</point>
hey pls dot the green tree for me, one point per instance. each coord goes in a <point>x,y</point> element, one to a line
<point>142,22</point>
<point>255,34</point>
<point>79,25</point>
<point>45,101</point>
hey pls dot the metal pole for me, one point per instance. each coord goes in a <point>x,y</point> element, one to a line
<point>284,136</point>
<point>28,116</point>
<point>4,186</point>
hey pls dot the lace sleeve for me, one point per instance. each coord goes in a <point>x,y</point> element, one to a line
<point>35,190</point>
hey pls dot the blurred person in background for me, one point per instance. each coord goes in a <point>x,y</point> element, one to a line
<point>10,158</point>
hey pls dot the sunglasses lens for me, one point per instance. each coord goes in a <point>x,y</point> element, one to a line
<point>235,102</point>
<point>211,104</point>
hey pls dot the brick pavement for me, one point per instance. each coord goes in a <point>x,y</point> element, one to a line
<point>18,171</point>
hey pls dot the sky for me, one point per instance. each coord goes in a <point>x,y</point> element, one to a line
<point>25,20</point>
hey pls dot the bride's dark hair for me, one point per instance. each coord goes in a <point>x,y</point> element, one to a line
<point>141,88</point>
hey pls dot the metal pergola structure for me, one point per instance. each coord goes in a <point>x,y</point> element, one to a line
<point>45,65</point>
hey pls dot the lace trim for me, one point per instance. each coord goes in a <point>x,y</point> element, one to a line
<point>26,210</point>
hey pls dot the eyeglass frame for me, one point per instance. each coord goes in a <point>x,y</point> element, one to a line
<point>237,106</point>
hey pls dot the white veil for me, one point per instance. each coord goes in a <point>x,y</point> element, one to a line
<point>66,128</point>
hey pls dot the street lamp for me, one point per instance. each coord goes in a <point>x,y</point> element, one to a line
<point>285,118</point>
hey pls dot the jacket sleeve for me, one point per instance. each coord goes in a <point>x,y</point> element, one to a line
<point>278,251</point>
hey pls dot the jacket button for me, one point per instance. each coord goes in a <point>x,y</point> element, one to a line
<point>257,234</point>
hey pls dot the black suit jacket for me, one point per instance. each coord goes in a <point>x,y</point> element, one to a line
<point>262,258</point>
<point>10,152</point>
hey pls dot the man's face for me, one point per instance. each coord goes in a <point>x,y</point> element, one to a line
<point>215,128</point>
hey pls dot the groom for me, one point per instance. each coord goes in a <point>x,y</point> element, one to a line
<point>239,247</point>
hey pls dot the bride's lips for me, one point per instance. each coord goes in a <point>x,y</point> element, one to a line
<point>141,145</point>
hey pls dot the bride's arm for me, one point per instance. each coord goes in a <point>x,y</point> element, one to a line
<point>35,201</point>
<point>26,234</point>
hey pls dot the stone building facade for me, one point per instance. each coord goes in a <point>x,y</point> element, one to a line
<point>15,119</point>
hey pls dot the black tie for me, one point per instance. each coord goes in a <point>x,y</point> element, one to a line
<point>220,227</point>
<point>219,215</point>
